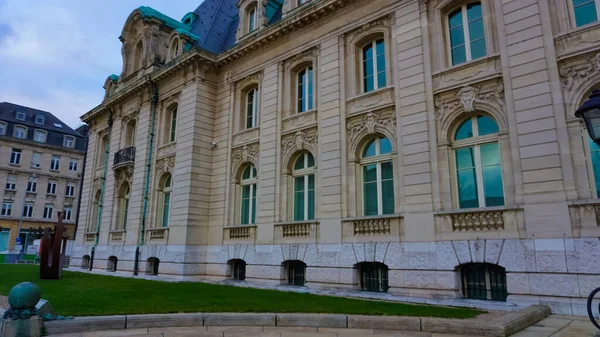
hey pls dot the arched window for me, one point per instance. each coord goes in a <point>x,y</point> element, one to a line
<point>296,272</point>
<point>152,266</point>
<point>175,49</point>
<point>304,187</point>
<point>164,201</point>
<point>378,177</point>
<point>238,269</point>
<point>112,264</point>
<point>130,134</point>
<point>373,276</point>
<point>170,125</point>
<point>595,161</point>
<point>85,262</point>
<point>102,148</point>
<point>466,33</point>
<point>305,89</point>
<point>137,56</point>
<point>252,18</point>
<point>478,163</point>
<point>95,212</point>
<point>123,206</point>
<point>484,281</point>
<point>373,65</point>
<point>251,112</point>
<point>585,11</point>
<point>248,196</point>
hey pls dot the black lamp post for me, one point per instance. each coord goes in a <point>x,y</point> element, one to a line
<point>590,113</point>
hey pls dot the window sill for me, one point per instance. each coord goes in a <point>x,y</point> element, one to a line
<point>584,202</point>
<point>31,192</point>
<point>368,101</point>
<point>35,167</point>
<point>481,209</point>
<point>15,164</point>
<point>50,194</point>
<point>9,190</point>
<point>55,171</point>
<point>372,217</point>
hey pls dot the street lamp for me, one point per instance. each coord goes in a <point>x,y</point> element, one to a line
<point>590,113</point>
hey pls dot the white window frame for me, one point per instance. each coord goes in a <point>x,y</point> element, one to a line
<point>48,212</point>
<point>68,213</point>
<point>29,212</point>
<point>55,163</point>
<point>475,142</point>
<point>69,141</point>
<point>373,44</point>
<point>11,184</point>
<point>70,188</point>
<point>51,189</point>
<point>7,207</point>
<point>254,108</point>
<point>252,181</point>
<point>376,159</point>
<point>73,163</point>
<point>574,18</point>
<point>306,88</point>
<point>18,129</point>
<point>38,132</point>
<point>39,117</point>
<point>31,185</point>
<point>304,172</point>
<point>3,128</point>
<point>466,34</point>
<point>21,115</point>
<point>18,154</point>
<point>252,17</point>
<point>33,162</point>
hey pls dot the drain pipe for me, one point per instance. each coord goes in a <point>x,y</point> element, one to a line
<point>153,106</point>
<point>102,188</point>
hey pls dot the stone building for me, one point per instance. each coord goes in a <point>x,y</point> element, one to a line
<point>423,148</point>
<point>41,161</point>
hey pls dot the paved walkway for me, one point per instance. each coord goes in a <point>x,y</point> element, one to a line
<point>553,326</point>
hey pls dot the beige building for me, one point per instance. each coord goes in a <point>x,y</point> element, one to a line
<point>423,148</point>
<point>41,162</point>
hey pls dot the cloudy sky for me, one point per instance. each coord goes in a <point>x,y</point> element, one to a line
<point>56,54</point>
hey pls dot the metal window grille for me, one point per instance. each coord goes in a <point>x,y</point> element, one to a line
<point>374,277</point>
<point>296,273</point>
<point>484,282</point>
<point>152,268</point>
<point>239,270</point>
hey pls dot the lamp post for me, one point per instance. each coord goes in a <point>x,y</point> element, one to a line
<point>590,113</point>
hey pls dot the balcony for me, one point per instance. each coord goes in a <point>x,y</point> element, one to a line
<point>297,232</point>
<point>124,157</point>
<point>386,228</point>
<point>239,234</point>
<point>484,223</point>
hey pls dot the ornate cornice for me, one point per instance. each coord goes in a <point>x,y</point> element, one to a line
<point>165,165</point>
<point>467,96</point>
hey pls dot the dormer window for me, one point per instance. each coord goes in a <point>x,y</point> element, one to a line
<point>302,2</point>
<point>21,115</point>
<point>175,48</point>
<point>40,119</point>
<point>69,141</point>
<point>252,19</point>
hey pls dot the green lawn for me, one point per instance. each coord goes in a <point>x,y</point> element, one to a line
<point>79,294</point>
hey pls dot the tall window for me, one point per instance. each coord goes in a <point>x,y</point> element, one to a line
<point>11,182</point>
<point>466,33</point>
<point>484,281</point>
<point>130,134</point>
<point>39,136</point>
<point>304,188</point>
<point>238,269</point>
<point>55,163</point>
<point>173,126</point>
<point>248,196</point>
<point>378,177</point>
<point>305,90</point>
<point>373,59</point>
<point>478,163</point>
<point>68,213</point>
<point>70,190</point>
<point>15,157</point>
<point>36,160</point>
<point>31,185</point>
<point>73,163</point>
<point>69,141</point>
<point>102,148</point>
<point>28,211</point>
<point>252,19</point>
<point>48,210</point>
<point>164,201</point>
<point>586,11</point>
<point>95,212</point>
<point>296,272</point>
<point>7,208</point>
<point>373,276</point>
<point>123,206</point>
<point>20,132</point>
<point>51,189</point>
<point>252,108</point>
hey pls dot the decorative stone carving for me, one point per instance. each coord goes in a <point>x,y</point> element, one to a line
<point>371,27</point>
<point>165,165</point>
<point>312,54</point>
<point>256,77</point>
<point>129,117</point>
<point>125,174</point>
<point>301,140</point>
<point>422,5</point>
<point>468,96</point>
<point>574,74</point>
<point>370,123</point>
<point>246,153</point>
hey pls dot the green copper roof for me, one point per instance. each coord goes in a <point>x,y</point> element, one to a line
<point>114,78</point>
<point>180,27</point>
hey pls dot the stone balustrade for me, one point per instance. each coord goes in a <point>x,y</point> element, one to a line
<point>90,237</point>
<point>299,231</point>
<point>117,236</point>
<point>240,233</point>
<point>384,227</point>
<point>478,221</point>
<point>157,234</point>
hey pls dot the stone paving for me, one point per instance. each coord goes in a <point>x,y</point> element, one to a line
<point>553,326</point>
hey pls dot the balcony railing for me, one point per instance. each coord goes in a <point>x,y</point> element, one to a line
<point>478,221</point>
<point>157,234</point>
<point>124,157</point>
<point>383,227</point>
<point>298,231</point>
<point>240,233</point>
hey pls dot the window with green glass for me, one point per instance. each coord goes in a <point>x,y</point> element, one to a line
<point>595,156</point>
<point>251,108</point>
<point>248,196</point>
<point>466,33</point>
<point>305,90</point>
<point>373,59</point>
<point>478,163</point>
<point>304,188</point>
<point>378,177</point>
<point>165,202</point>
<point>251,20</point>
<point>586,11</point>
<point>173,125</point>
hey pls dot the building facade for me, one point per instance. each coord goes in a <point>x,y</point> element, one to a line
<point>41,161</point>
<point>423,148</point>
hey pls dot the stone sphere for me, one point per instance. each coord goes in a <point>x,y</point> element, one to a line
<point>24,296</point>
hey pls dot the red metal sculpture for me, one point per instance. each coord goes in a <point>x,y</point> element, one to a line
<point>52,248</point>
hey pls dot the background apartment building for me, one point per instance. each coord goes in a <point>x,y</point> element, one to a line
<point>41,161</point>
<point>423,148</point>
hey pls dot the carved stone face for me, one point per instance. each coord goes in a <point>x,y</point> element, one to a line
<point>467,97</point>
